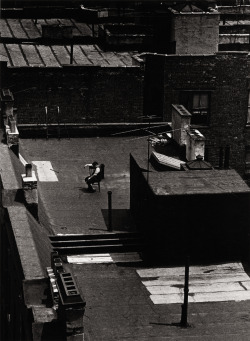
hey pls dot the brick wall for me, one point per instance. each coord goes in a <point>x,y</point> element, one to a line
<point>224,75</point>
<point>84,94</point>
<point>196,32</point>
<point>206,227</point>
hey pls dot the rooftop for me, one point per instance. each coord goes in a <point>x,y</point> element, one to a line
<point>197,182</point>
<point>21,46</point>
<point>79,211</point>
<point>24,29</point>
<point>19,55</point>
<point>138,299</point>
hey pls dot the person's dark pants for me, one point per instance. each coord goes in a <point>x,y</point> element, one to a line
<point>90,181</point>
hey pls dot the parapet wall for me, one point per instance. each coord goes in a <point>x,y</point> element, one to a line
<point>90,94</point>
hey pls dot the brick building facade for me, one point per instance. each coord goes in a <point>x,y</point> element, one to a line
<point>202,213</point>
<point>214,88</point>
<point>84,94</point>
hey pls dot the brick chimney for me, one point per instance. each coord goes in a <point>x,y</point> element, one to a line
<point>194,31</point>
<point>7,104</point>
<point>180,123</point>
<point>29,184</point>
<point>195,145</point>
<point>12,134</point>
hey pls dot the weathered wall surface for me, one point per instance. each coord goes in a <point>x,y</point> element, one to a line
<point>83,94</point>
<point>196,33</point>
<point>23,280</point>
<point>224,76</point>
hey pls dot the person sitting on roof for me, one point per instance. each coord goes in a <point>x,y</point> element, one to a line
<point>94,176</point>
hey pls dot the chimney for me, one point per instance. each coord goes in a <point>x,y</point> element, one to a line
<point>29,184</point>
<point>12,134</point>
<point>29,179</point>
<point>180,123</point>
<point>7,103</point>
<point>12,125</point>
<point>194,31</point>
<point>28,169</point>
<point>195,144</point>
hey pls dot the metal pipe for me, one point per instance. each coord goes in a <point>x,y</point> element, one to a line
<point>221,156</point>
<point>184,306</point>
<point>58,122</point>
<point>227,157</point>
<point>71,53</point>
<point>110,228</point>
<point>148,153</point>
<point>46,120</point>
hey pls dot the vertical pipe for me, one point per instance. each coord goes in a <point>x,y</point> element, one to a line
<point>71,53</point>
<point>221,156</point>
<point>110,228</point>
<point>148,162</point>
<point>227,156</point>
<point>46,122</point>
<point>58,123</point>
<point>184,306</point>
<point>148,152</point>
<point>206,154</point>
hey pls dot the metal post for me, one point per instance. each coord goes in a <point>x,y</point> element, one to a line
<point>71,53</point>
<point>148,152</point>
<point>58,123</point>
<point>148,162</point>
<point>227,156</point>
<point>46,121</point>
<point>184,307</point>
<point>221,156</point>
<point>110,228</point>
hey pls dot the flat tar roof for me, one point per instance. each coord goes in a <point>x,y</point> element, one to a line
<point>132,302</point>
<point>197,182</point>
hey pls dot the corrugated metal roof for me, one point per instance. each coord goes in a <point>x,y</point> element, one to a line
<point>58,55</point>
<point>32,29</point>
<point>19,50</point>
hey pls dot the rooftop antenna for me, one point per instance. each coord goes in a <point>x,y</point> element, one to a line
<point>46,122</point>
<point>58,122</point>
<point>149,118</point>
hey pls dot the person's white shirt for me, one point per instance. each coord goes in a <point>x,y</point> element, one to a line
<point>97,168</point>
